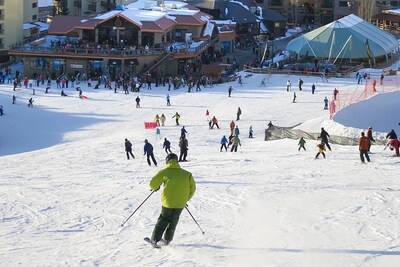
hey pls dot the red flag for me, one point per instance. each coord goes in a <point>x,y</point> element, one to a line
<point>150,124</point>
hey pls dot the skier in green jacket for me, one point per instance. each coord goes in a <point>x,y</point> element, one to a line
<point>302,143</point>
<point>179,188</point>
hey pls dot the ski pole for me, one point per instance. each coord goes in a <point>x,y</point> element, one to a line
<point>152,192</point>
<point>194,220</point>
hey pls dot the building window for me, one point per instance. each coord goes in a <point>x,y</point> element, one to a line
<point>34,17</point>
<point>39,63</point>
<point>1,43</point>
<point>34,5</point>
<point>59,64</point>
<point>1,14</point>
<point>344,3</point>
<point>1,2</point>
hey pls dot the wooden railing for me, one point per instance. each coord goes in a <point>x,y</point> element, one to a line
<point>23,48</point>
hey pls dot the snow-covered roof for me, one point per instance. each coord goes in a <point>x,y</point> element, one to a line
<point>43,26</point>
<point>27,26</point>
<point>143,11</point>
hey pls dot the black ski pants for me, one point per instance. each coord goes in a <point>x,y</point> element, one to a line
<point>167,222</point>
<point>362,154</point>
<point>152,158</point>
<point>183,155</point>
<point>129,152</point>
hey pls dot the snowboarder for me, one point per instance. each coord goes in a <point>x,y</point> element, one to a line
<point>148,149</point>
<point>294,97</point>
<point>183,146</point>
<point>251,132</point>
<point>382,77</point>
<point>137,102</point>
<point>176,116</point>
<point>1,111</point>
<point>363,143</point>
<point>302,143</point>
<point>167,146</point>
<point>238,113</point>
<point>230,91</point>
<point>321,149</point>
<point>207,115</point>
<point>14,99</point>
<point>224,141</point>
<point>313,88</point>
<point>128,148</point>
<point>324,138</point>
<point>179,188</point>
<point>235,143</point>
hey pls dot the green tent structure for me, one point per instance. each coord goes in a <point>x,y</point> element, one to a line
<point>349,38</point>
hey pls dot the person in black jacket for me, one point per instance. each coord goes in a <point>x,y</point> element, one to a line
<point>391,135</point>
<point>128,148</point>
<point>148,149</point>
<point>183,146</point>
<point>370,138</point>
<point>324,138</point>
<point>167,146</point>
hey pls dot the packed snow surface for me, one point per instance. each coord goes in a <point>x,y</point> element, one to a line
<point>66,185</point>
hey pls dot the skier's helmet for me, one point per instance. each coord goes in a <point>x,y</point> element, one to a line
<point>171,156</point>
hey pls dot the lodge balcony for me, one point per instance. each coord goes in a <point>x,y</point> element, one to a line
<point>178,51</point>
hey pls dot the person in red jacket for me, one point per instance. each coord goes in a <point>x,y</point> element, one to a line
<point>214,122</point>
<point>394,144</point>
<point>363,144</point>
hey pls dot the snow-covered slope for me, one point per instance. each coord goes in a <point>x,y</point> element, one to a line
<point>66,185</point>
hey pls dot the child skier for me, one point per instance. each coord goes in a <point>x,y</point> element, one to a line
<point>302,142</point>
<point>321,149</point>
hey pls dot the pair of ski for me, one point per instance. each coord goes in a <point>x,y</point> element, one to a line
<point>148,240</point>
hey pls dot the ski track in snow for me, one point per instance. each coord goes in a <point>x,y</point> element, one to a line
<point>66,185</point>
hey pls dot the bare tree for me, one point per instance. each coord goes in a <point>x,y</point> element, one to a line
<point>365,9</point>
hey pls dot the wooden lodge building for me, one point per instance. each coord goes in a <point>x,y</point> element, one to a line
<point>143,36</point>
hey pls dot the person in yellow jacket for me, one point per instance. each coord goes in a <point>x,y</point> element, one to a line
<point>179,188</point>
<point>321,150</point>
<point>157,119</point>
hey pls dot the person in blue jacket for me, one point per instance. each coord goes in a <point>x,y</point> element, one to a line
<point>224,141</point>
<point>236,131</point>
<point>148,149</point>
<point>326,103</point>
